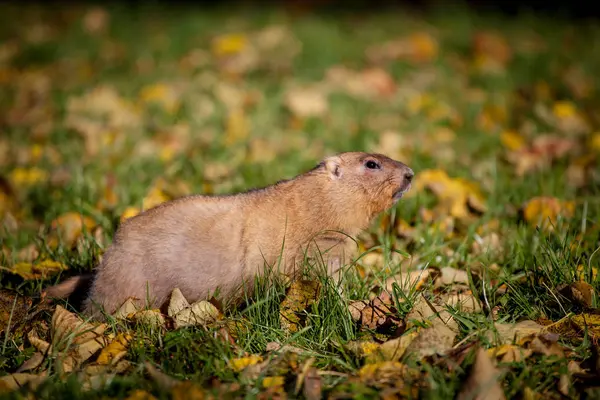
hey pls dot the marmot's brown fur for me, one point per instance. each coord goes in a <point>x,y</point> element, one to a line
<point>203,243</point>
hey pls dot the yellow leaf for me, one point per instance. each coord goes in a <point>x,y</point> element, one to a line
<point>564,109</point>
<point>115,351</point>
<point>155,196</point>
<point>509,353</point>
<point>161,94</point>
<point>139,394</point>
<point>544,211</point>
<point>20,176</point>
<point>237,127</point>
<point>455,196</point>
<point>229,44</point>
<point>300,295</point>
<point>39,270</point>
<point>272,381</point>
<point>71,225</point>
<point>512,140</point>
<point>424,47</point>
<point>589,323</point>
<point>238,364</point>
<point>129,212</point>
<point>595,142</point>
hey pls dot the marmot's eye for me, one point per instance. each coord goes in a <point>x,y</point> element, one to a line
<point>372,165</point>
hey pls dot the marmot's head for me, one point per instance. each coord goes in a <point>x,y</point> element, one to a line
<point>378,178</point>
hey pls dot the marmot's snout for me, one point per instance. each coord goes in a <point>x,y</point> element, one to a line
<point>405,177</point>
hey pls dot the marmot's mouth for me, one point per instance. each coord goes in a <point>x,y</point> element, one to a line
<point>400,192</point>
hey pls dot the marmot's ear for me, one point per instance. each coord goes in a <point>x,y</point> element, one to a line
<point>334,167</point>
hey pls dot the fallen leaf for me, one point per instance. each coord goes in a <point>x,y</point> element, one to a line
<point>377,313</point>
<point>128,308</point>
<point>512,140</point>
<point>419,47</point>
<point>177,302</point>
<point>508,333</point>
<point>75,339</point>
<point>152,318</point>
<point>437,339</point>
<point>115,351</point>
<point>39,270</point>
<point>95,20</point>
<point>508,353</point>
<point>272,381</point>
<point>32,363</point>
<point>300,295</point>
<point>491,51</point>
<point>581,293</point>
<point>589,323</point>
<point>199,313</point>
<point>482,383</point>
<point>456,196</point>
<point>15,381</point>
<point>70,226</point>
<point>312,385</point>
<point>545,211</point>
<point>306,102</point>
<point>25,177</point>
<point>188,390</point>
<point>407,282</point>
<point>387,373</point>
<point>449,276</point>
<point>465,302</point>
<point>139,394</point>
<point>238,364</point>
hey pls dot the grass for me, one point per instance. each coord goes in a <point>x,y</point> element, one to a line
<point>52,60</point>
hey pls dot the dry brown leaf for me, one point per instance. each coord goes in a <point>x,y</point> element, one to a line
<point>32,363</point>
<point>95,20</point>
<point>371,83</point>
<point>177,303</point>
<point>450,276</point>
<point>307,102</point>
<point>15,381</point>
<point>128,308</point>
<point>437,339</point>
<point>407,282</point>
<point>482,383</point>
<point>419,47</point>
<point>199,313</point>
<point>312,385</point>
<point>152,318</point>
<point>509,332</point>
<point>465,302</point>
<point>492,52</point>
<point>581,293</point>
<point>377,313</point>
<point>426,311</point>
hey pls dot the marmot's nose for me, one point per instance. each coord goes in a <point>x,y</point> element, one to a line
<point>409,174</point>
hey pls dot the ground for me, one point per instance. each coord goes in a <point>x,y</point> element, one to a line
<point>483,276</point>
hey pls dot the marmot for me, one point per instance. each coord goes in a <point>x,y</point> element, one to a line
<point>201,243</point>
